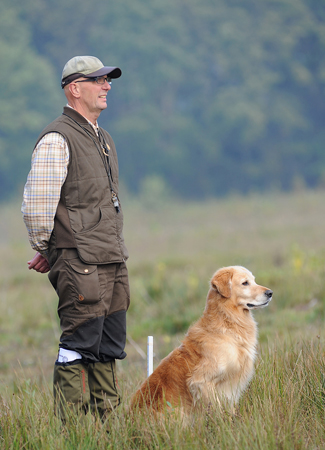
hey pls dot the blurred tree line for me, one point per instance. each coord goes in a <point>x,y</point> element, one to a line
<point>216,96</point>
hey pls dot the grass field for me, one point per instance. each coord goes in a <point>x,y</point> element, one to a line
<point>174,251</point>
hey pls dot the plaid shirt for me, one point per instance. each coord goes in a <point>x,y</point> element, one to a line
<point>43,189</point>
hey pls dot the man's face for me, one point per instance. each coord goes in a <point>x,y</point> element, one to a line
<point>93,96</point>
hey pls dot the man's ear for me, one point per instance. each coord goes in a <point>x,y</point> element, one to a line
<point>221,282</point>
<point>73,90</point>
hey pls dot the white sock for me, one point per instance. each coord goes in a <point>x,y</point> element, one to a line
<point>65,356</point>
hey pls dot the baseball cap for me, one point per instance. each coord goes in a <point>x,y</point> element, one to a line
<point>86,66</point>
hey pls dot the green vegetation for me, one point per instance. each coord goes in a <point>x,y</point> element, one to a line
<point>216,96</point>
<point>174,250</point>
<point>283,408</point>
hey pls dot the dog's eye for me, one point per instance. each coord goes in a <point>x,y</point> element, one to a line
<point>246,283</point>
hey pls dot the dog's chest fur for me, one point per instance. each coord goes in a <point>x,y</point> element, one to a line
<point>225,362</point>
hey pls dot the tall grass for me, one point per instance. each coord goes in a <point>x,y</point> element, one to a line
<point>283,408</point>
<point>174,251</point>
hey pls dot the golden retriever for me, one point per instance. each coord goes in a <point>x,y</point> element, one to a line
<point>215,361</point>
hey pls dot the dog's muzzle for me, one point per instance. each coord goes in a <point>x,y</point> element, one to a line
<point>268,294</point>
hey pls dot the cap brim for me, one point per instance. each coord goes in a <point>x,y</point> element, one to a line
<point>113,72</point>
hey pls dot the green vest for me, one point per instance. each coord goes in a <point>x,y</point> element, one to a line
<point>86,218</point>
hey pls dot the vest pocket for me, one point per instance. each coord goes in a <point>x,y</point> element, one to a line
<point>101,243</point>
<point>85,282</point>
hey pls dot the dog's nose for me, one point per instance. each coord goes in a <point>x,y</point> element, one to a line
<point>268,293</point>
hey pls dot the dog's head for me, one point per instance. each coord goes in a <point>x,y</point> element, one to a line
<point>238,284</point>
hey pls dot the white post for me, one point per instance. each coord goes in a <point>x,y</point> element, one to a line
<point>149,356</point>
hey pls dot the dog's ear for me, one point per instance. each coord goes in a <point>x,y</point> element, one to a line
<point>221,282</point>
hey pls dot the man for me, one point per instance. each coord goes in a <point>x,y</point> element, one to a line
<point>74,220</point>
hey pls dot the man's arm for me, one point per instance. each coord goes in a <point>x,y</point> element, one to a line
<point>42,194</point>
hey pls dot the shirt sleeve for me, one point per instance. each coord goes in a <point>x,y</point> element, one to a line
<point>42,191</point>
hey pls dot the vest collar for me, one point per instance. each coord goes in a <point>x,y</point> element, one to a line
<point>71,112</point>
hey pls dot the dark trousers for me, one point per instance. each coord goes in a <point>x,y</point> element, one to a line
<point>93,301</point>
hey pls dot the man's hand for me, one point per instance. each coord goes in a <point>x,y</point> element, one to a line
<point>39,263</point>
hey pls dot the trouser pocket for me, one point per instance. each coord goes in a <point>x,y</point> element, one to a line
<point>84,282</point>
<point>77,285</point>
